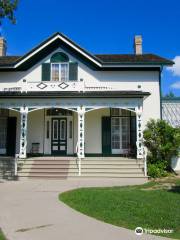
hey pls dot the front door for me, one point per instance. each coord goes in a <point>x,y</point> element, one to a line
<point>59,136</point>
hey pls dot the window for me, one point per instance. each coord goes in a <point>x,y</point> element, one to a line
<point>120,112</point>
<point>59,72</point>
<point>120,133</point>
<point>58,112</point>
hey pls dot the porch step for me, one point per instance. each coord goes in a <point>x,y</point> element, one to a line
<point>84,161</point>
<point>85,171</point>
<point>83,166</point>
<point>62,176</point>
<point>62,167</point>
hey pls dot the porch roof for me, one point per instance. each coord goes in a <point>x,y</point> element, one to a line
<point>73,94</point>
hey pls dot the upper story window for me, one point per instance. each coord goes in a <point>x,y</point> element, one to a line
<point>59,72</point>
<point>60,69</point>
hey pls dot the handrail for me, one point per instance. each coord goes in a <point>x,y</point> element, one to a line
<point>79,159</point>
<point>16,165</point>
<point>145,161</point>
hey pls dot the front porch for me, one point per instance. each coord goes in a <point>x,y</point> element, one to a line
<point>55,132</point>
<point>79,127</point>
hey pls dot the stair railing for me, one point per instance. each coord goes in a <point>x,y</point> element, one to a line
<point>16,165</point>
<point>78,159</point>
<point>145,161</point>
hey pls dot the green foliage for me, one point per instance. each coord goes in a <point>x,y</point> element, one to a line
<point>169,95</point>
<point>2,237</point>
<point>156,170</point>
<point>7,8</point>
<point>163,143</point>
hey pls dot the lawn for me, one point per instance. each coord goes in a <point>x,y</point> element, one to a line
<point>155,205</point>
<point>2,237</point>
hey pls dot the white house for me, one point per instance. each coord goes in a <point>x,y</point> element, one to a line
<point>60,100</point>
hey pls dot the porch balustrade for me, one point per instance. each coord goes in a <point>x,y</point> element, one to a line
<point>53,86</point>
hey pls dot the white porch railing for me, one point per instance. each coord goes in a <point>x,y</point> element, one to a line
<point>50,86</point>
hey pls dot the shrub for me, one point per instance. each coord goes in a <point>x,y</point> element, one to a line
<point>163,143</point>
<point>157,170</point>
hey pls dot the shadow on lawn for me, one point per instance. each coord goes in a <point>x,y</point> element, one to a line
<point>174,189</point>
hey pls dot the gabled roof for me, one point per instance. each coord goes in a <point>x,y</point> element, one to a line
<point>97,61</point>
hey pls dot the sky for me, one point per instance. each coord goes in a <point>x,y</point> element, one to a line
<point>102,26</point>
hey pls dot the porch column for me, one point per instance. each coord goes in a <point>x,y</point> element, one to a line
<point>23,132</point>
<point>81,114</point>
<point>139,132</point>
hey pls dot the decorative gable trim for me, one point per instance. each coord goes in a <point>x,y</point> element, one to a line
<point>51,40</point>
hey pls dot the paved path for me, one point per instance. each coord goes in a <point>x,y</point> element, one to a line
<point>30,210</point>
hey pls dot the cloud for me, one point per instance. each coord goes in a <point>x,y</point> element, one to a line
<point>176,85</point>
<point>175,69</point>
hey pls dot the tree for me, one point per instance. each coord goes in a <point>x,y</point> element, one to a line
<point>7,8</point>
<point>162,141</point>
<point>170,95</point>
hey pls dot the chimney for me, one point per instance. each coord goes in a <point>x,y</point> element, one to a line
<point>2,46</point>
<point>138,45</point>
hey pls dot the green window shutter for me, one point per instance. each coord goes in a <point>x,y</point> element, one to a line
<point>73,71</point>
<point>106,135</point>
<point>46,72</point>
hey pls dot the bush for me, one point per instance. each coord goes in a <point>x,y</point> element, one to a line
<point>163,143</point>
<point>156,170</point>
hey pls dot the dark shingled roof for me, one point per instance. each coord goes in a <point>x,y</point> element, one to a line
<point>8,60</point>
<point>133,59</point>
<point>107,59</point>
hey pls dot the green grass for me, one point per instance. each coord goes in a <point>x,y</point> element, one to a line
<point>2,237</point>
<point>155,205</point>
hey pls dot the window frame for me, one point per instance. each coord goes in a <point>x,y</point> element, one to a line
<point>60,79</point>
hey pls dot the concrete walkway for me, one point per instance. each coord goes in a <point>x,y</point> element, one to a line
<point>30,210</point>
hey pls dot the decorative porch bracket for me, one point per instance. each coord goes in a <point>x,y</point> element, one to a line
<point>23,133</point>
<point>139,142</point>
<point>81,114</point>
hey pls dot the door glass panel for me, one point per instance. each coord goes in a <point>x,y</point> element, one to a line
<point>55,130</point>
<point>70,129</point>
<point>62,129</point>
